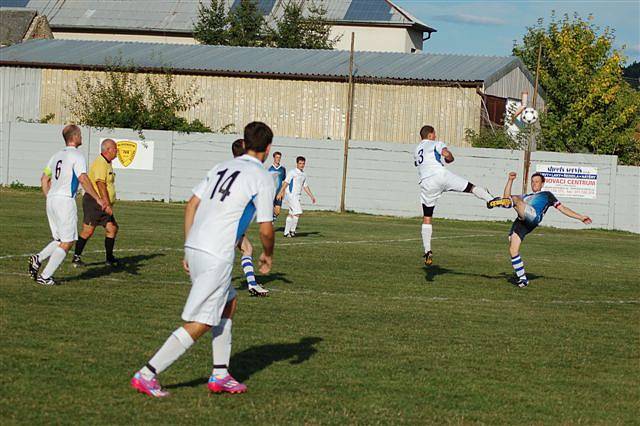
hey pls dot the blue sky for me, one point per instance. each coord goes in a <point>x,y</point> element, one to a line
<point>489,27</point>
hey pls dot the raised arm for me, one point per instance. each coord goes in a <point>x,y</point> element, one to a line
<point>507,187</point>
<point>570,213</point>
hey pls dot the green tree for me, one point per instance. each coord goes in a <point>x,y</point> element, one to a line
<point>246,24</point>
<point>295,30</point>
<point>126,99</point>
<point>589,106</point>
<point>212,25</point>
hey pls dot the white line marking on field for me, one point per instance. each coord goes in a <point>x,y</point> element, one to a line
<point>142,249</point>
<point>343,294</point>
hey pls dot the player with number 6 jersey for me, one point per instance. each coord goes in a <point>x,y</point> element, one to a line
<point>216,216</point>
<point>65,171</point>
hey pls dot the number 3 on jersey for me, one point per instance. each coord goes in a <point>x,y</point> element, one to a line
<point>420,158</point>
<point>225,188</point>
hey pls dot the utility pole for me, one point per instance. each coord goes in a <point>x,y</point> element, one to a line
<point>347,130</point>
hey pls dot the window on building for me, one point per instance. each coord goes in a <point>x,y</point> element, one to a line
<point>496,109</point>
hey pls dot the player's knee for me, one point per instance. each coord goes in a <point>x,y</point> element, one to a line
<point>87,232</point>
<point>66,246</point>
<point>469,187</point>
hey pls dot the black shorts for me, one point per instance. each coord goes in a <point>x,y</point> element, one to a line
<point>93,214</point>
<point>277,202</point>
<point>521,229</point>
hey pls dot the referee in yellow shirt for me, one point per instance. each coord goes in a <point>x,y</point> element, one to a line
<point>102,179</point>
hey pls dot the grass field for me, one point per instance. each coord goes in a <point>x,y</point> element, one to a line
<point>356,330</point>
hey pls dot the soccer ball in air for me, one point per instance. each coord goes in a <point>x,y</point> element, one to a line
<point>529,115</point>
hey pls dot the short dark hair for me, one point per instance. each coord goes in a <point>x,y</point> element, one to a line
<point>301,158</point>
<point>70,131</point>
<point>237,147</point>
<point>538,174</point>
<point>426,131</point>
<point>277,153</point>
<point>257,136</point>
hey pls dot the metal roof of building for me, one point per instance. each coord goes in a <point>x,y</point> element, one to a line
<point>256,61</point>
<point>180,15</point>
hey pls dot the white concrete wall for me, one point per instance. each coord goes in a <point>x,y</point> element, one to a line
<point>381,177</point>
<point>627,199</point>
<point>375,39</point>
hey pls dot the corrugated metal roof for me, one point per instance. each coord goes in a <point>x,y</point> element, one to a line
<point>258,60</point>
<point>180,15</point>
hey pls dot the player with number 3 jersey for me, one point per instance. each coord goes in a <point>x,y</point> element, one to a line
<point>430,157</point>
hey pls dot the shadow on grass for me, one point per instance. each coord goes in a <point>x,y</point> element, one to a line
<point>129,264</point>
<point>433,271</point>
<point>255,359</point>
<point>306,234</point>
<point>261,279</point>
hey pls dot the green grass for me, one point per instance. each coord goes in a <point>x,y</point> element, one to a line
<point>356,333</point>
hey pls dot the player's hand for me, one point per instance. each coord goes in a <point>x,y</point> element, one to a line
<point>265,263</point>
<point>185,265</point>
<point>586,220</point>
<point>103,205</point>
<point>279,197</point>
<point>313,200</point>
<point>512,175</point>
<point>109,210</point>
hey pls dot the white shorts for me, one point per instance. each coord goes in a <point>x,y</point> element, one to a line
<point>210,287</point>
<point>62,214</point>
<point>432,187</point>
<point>293,203</point>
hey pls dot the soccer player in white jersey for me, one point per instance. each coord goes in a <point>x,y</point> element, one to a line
<point>430,157</point>
<point>217,214</point>
<point>291,191</point>
<point>64,172</point>
<point>244,245</point>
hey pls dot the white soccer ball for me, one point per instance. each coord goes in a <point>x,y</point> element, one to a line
<point>529,115</point>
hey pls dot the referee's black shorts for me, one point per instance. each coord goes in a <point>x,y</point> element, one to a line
<point>93,214</point>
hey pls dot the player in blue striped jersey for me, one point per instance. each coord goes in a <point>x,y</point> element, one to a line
<point>279,174</point>
<point>531,208</point>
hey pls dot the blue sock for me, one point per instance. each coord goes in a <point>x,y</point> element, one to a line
<point>247,267</point>
<point>518,266</point>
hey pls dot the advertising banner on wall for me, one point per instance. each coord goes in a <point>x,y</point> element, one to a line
<point>133,154</point>
<point>570,181</point>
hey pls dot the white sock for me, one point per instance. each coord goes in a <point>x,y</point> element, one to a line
<point>482,193</point>
<point>174,347</point>
<point>48,250</point>
<point>287,225</point>
<point>294,225</point>
<point>56,258</point>
<point>221,346</point>
<point>426,236</point>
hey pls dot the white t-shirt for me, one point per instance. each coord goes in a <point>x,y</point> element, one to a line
<point>230,196</point>
<point>296,180</point>
<point>428,158</point>
<point>64,168</point>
